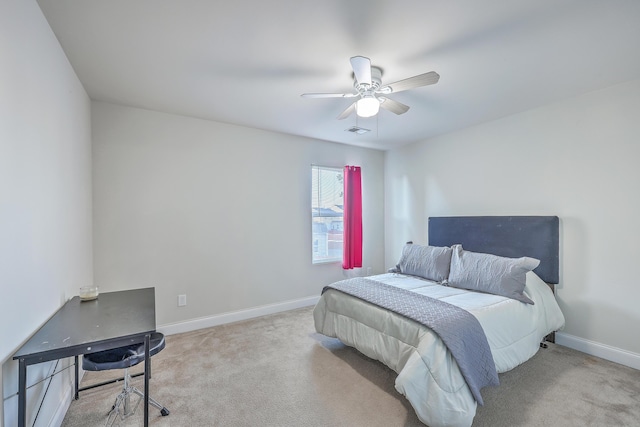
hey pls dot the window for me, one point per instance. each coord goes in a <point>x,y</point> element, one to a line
<point>326,207</point>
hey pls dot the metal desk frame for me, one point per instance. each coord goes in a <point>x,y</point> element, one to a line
<point>114,319</point>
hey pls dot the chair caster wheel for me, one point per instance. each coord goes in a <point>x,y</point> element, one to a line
<point>164,412</point>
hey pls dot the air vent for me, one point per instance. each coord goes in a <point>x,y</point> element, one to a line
<point>356,129</point>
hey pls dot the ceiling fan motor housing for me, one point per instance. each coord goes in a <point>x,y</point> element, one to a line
<point>376,82</point>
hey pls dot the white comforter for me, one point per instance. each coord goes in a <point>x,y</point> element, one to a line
<point>427,373</point>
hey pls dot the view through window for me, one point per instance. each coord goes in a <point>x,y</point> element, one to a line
<point>326,207</point>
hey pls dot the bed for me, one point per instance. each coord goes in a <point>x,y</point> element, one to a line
<point>429,374</point>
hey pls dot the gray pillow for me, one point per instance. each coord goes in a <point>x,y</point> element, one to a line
<point>429,262</point>
<point>490,273</point>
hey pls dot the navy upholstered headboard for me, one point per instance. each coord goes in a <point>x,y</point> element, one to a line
<point>509,236</point>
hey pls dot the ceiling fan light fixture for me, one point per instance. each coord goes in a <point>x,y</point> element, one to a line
<point>367,106</point>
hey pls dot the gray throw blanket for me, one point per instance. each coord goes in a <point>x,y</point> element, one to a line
<point>459,330</point>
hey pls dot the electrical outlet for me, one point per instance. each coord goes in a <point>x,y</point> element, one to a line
<point>369,271</point>
<point>182,300</point>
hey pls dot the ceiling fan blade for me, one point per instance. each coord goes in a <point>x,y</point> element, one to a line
<point>361,69</point>
<point>393,106</point>
<point>328,95</point>
<point>347,112</point>
<point>412,82</point>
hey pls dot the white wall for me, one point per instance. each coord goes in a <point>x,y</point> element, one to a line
<point>577,159</point>
<point>218,212</point>
<point>45,195</point>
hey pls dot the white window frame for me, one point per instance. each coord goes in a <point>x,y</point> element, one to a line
<point>326,215</point>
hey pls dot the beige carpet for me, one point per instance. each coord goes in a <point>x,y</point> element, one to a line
<point>276,371</point>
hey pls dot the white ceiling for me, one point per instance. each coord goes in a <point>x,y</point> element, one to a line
<point>247,61</point>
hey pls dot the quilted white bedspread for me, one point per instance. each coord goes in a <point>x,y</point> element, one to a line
<point>428,376</point>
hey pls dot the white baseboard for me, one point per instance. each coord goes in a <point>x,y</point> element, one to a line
<point>58,417</point>
<point>235,316</point>
<point>597,349</point>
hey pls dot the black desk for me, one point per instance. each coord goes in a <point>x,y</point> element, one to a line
<point>113,320</point>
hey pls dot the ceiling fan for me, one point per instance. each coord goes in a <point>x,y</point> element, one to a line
<point>367,81</point>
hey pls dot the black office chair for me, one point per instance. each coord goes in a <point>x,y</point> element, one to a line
<point>124,358</point>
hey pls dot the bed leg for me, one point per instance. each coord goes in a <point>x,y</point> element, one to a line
<point>549,338</point>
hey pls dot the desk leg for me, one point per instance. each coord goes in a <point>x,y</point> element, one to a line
<point>22,393</point>
<point>77,375</point>
<point>147,368</point>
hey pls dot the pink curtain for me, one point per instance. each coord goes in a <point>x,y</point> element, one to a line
<point>352,237</point>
